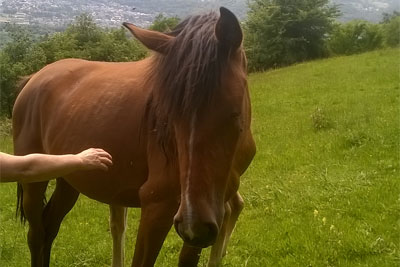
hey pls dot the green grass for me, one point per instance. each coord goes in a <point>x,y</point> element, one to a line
<point>323,190</point>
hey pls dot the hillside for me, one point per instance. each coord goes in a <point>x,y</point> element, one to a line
<point>323,189</point>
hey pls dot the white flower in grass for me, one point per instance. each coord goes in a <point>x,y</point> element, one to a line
<point>315,213</point>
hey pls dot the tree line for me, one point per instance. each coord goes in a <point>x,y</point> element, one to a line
<point>283,32</point>
<point>277,33</point>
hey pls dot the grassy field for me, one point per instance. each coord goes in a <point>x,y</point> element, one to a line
<point>323,190</point>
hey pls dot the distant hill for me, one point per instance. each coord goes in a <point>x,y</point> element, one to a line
<point>351,9</point>
<point>59,13</point>
<point>370,10</point>
<point>43,16</point>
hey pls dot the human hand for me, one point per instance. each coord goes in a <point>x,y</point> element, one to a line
<point>95,158</point>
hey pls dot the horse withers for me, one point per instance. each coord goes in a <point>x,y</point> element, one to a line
<point>176,123</point>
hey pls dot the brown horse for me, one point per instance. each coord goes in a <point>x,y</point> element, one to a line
<point>177,125</point>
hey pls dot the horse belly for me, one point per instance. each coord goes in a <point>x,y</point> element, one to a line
<point>121,183</point>
<point>109,187</point>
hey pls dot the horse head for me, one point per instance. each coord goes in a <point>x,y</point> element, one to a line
<point>201,106</point>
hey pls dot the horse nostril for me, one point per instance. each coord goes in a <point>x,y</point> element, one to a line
<point>199,235</point>
<point>177,219</point>
<point>211,232</point>
<point>196,233</point>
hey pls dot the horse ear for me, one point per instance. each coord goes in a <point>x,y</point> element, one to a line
<point>228,30</point>
<point>153,40</point>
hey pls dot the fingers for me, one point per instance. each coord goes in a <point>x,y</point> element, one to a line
<point>104,156</point>
<point>104,159</point>
<point>106,162</point>
<point>96,158</point>
<point>102,167</point>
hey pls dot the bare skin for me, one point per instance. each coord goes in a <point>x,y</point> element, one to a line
<point>43,167</point>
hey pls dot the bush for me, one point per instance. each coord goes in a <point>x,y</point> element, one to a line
<point>320,121</point>
<point>391,31</point>
<point>5,127</point>
<point>355,37</point>
<point>282,32</point>
<point>163,23</point>
<point>13,65</point>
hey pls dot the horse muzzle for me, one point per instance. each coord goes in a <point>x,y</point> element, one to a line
<point>195,232</point>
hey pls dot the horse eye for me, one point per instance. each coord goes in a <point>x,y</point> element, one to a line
<point>237,120</point>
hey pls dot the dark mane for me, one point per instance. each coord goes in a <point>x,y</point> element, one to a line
<point>186,77</point>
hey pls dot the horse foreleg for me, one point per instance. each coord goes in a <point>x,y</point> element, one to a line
<point>189,256</point>
<point>118,219</point>
<point>156,220</point>
<point>33,196</point>
<point>236,203</point>
<point>216,253</point>
<point>61,202</point>
<point>233,209</point>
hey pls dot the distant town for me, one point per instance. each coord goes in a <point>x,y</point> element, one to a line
<point>60,13</point>
<point>57,14</point>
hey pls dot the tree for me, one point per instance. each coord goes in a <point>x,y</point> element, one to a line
<point>84,30</point>
<point>282,32</point>
<point>21,41</point>
<point>12,66</point>
<point>387,17</point>
<point>94,43</point>
<point>162,23</point>
<point>391,28</point>
<point>59,46</point>
<point>355,37</point>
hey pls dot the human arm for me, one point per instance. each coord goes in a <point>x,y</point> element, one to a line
<point>43,167</point>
